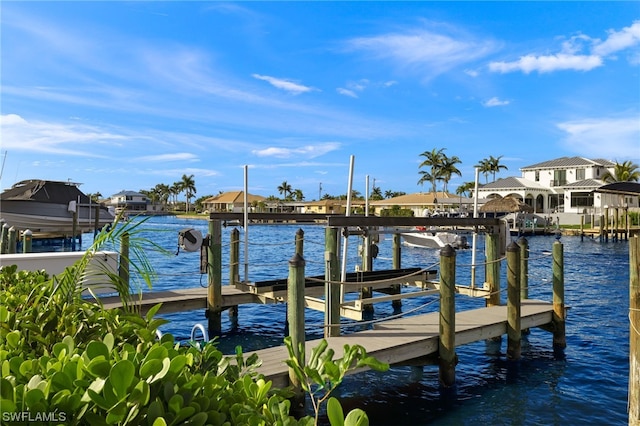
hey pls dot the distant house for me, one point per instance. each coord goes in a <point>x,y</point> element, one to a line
<point>233,201</point>
<point>325,206</point>
<point>563,185</point>
<point>131,202</point>
<point>427,203</point>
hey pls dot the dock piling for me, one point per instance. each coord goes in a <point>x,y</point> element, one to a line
<point>12,240</point>
<point>514,334</point>
<point>295,318</point>
<point>27,237</point>
<point>492,269</point>
<point>214,278</point>
<point>559,312</point>
<point>396,261</point>
<point>332,290</point>
<point>634,331</point>
<point>447,341</point>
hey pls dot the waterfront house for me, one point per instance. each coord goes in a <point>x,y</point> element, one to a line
<point>233,201</point>
<point>325,206</point>
<point>132,202</point>
<point>565,187</point>
<point>425,204</point>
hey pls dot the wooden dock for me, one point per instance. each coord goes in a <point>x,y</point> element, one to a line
<point>412,339</point>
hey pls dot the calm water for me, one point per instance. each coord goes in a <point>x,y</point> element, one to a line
<point>588,386</point>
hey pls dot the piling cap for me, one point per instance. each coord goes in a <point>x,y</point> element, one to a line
<point>513,246</point>
<point>448,251</point>
<point>296,260</point>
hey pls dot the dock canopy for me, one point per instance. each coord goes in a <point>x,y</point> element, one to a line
<point>622,188</point>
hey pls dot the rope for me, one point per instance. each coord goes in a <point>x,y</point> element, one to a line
<point>361,283</point>
<point>360,323</point>
<point>631,322</point>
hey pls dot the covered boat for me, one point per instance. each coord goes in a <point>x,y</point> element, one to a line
<point>434,238</point>
<point>49,208</point>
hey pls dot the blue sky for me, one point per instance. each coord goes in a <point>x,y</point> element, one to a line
<point>126,95</point>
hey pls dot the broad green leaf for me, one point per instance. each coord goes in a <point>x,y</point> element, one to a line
<point>6,389</point>
<point>334,412</point>
<point>121,376</point>
<point>140,393</point>
<point>108,340</point>
<point>175,403</point>
<point>166,363</point>
<point>177,364</point>
<point>4,314</point>
<point>356,417</point>
<point>150,368</point>
<point>96,348</point>
<point>61,381</point>
<point>117,413</point>
<point>34,397</point>
<point>159,421</point>
<point>13,339</point>
<point>99,367</point>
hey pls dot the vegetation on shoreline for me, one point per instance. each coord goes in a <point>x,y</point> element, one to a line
<point>68,360</point>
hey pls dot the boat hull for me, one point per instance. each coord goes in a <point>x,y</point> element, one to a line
<point>51,218</point>
<point>436,240</point>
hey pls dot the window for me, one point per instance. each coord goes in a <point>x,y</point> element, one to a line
<point>580,173</point>
<point>559,177</point>
<point>581,199</point>
<point>537,175</point>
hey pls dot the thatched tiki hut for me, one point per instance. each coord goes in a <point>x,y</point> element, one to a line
<point>505,205</point>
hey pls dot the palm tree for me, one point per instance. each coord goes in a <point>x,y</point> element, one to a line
<point>188,185</point>
<point>466,189</point>
<point>448,169</point>
<point>174,190</point>
<point>626,171</point>
<point>164,192</point>
<point>495,166</point>
<point>298,195</point>
<point>376,193</point>
<point>433,160</point>
<point>284,189</point>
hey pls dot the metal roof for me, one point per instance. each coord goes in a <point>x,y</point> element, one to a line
<point>512,183</point>
<point>564,162</point>
<point>587,183</point>
<point>626,188</point>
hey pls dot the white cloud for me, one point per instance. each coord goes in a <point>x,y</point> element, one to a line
<point>283,84</point>
<point>423,51</point>
<point>53,138</point>
<point>494,102</point>
<point>179,156</point>
<point>308,151</point>
<point>472,73</point>
<point>619,40</point>
<point>570,56</point>
<point>610,138</point>
<point>346,92</point>
<point>548,63</point>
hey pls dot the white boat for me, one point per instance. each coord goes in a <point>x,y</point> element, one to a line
<point>47,208</point>
<point>434,238</point>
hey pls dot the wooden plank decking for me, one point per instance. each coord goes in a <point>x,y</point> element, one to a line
<point>402,340</point>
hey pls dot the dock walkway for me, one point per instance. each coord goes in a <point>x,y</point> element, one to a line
<point>412,338</point>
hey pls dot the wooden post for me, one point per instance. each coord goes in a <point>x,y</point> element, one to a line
<point>214,279</point>
<point>514,334</point>
<point>295,317</point>
<point>234,269</point>
<point>234,257</point>
<point>74,229</point>
<point>606,224</point>
<point>367,265</point>
<point>492,269</point>
<point>4,238</point>
<point>447,342</point>
<point>12,240</point>
<point>524,268</point>
<point>615,229</point>
<point>634,331</point>
<point>27,241</point>
<point>397,264</point>
<point>96,220</point>
<point>123,263</point>
<point>582,228</point>
<point>602,228</point>
<point>559,312</point>
<point>300,242</point>
<point>331,290</point>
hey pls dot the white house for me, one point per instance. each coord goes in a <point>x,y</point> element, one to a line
<point>565,186</point>
<point>133,202</point>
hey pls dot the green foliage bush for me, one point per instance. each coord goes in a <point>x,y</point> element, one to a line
<point>67,360</point>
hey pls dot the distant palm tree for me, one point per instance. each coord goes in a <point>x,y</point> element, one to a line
<point>298,195</point>
<point>284,189</point>
<point>484,167</point>
<point>376,193</point>
<point>188,185</point>
<point>448,168</point>
<point>466,189</point>
<point>495,166</point>
<point>433,160</point>
<point>626,171</point>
